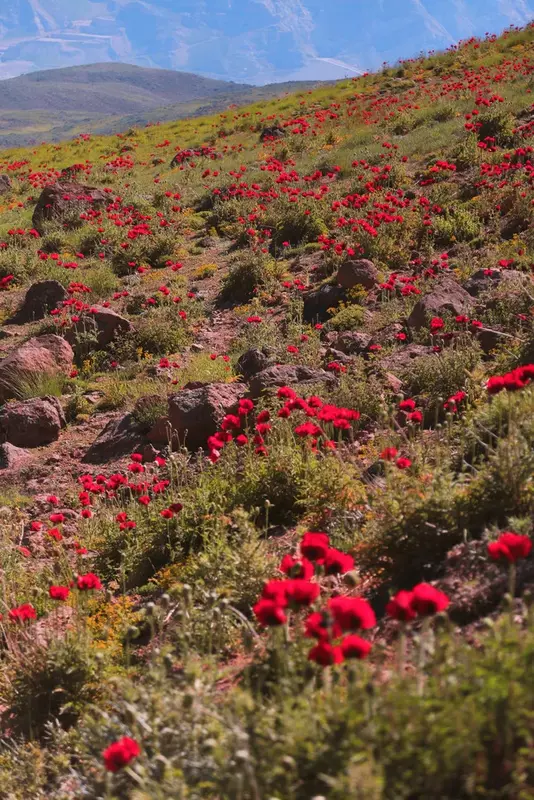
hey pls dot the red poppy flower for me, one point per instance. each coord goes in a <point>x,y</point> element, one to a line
<point>301,593</point>
<point>88,581</point>
<point>352,613</point>
<point>59,592</point>
<point>355,647</point>
<point>510,547</point>
<point>389,453</point>
<point>325,654</point>
<point>399,607</point>
<point>337,563</point>
<point>297,567</point>
<point>321,625</point>
<point>268,612</point>
<point>314,546</point>
<point>403,463</point>
<point>120,753</point>
<point>426,600</point>
<point>22,613</point>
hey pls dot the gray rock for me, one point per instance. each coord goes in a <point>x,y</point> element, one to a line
<point>288,375</point>
<point>195,414</point>
<point>40,299</point>
<point>318,303</point>
<point>252,362</point>
<point>59,200</point>
<point>119,438</point>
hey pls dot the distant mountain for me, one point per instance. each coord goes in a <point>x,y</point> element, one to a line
<point>104,98</point>
<point>251,41</point>
<point>108,89</point>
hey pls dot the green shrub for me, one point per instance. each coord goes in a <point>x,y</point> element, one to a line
<point>348,318</point>
<point>249,273</point>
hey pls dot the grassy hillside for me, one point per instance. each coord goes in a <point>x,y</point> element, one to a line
<point>280,546</point>
<point>107,98</point>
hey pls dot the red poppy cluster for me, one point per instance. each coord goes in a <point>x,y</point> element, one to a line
<point>511,381</point>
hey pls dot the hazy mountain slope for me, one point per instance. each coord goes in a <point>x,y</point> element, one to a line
<point>104,98</point>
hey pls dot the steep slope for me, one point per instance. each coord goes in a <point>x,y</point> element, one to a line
<point>267,446</point>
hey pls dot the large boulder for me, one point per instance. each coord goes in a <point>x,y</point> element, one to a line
<point>317,304</point>
<point>32,423</point>
<point>64,198</point>
<point>12,457</point>
<point>357,272</point>
<point>97,326</point>
<point>288,375</point>
<point>195,414</point>
<point>42,355</point>
<point>447,296</point>
<point>40,299</point>
<point>119,438</point>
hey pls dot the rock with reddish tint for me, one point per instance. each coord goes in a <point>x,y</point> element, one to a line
<point>41,298</point>
<point>195,414</point>
<point>119,438</point>
<point>252,362</point>
<point>32,423</point>
<point>388,334</point>
<point>65,199</point>
<point>447,297</point>
<point>357,272</point>
<point>99,326</point>
<point>12,457</point>
<point>352,343</point>
<point>42,355</point>
<point>318,305</point>
<point>402,359</point>
<point>288,375</point>
<point>5,184</point>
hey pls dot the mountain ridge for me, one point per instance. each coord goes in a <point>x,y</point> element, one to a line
<point>256,42</point>
<point>109,97</point>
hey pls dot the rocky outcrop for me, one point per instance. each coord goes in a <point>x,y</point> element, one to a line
<point>40,299</point>
<point>32,423</point>
<point>448,296</point>
<point>357,272</point>
<point>97,327</point>
<point>288,375</point>
<point>272,132</point>
<point>317,304</point>
<point>119,438</point>
<point>42,355</point>
<point>252,362</point>
<point>59,200</point>
<point>12,457</point>
<point>195,414</point>
<point>5,184</point>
